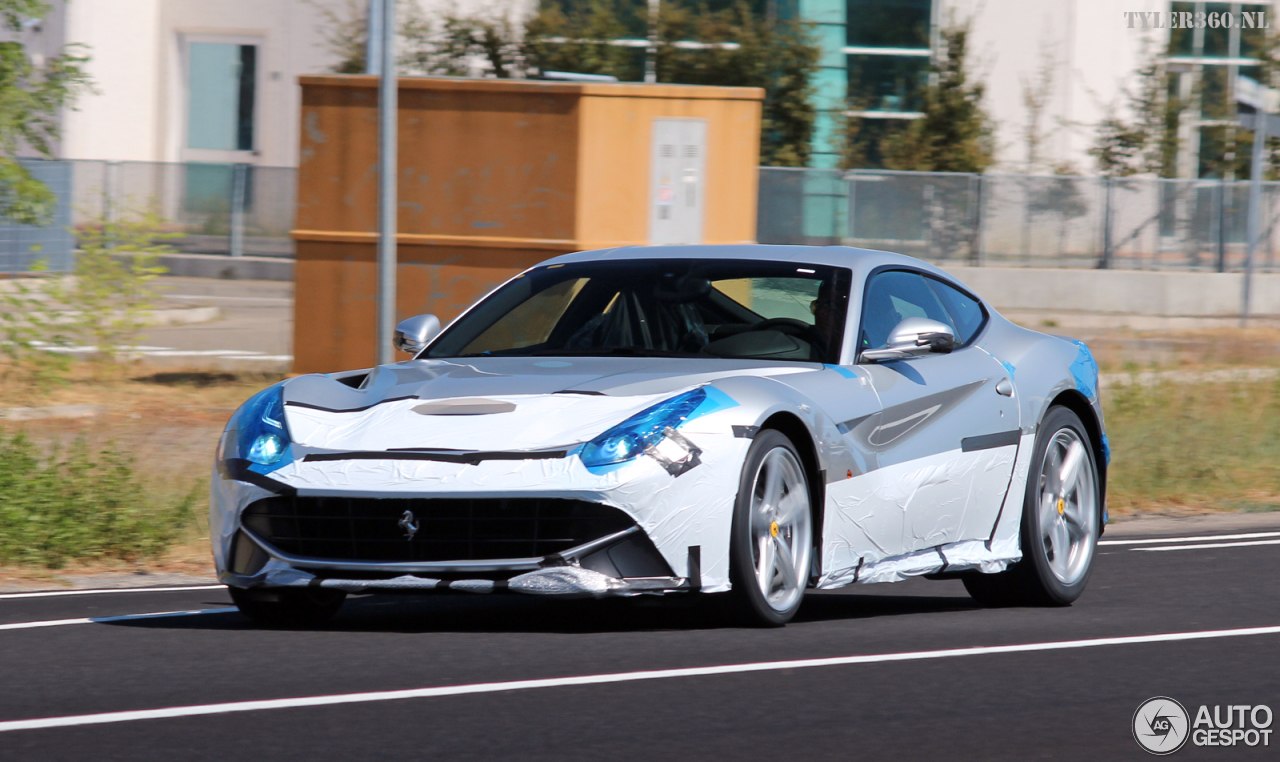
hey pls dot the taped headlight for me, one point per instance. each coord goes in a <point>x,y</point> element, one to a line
<point>641,431</point>
<point>258,429</point>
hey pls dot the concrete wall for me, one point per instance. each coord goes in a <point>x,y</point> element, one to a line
<point>1133,298</point>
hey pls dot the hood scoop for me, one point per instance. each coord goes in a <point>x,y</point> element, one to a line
<point>465,406</point>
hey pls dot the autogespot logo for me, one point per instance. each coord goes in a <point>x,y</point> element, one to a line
<point>1160,725</point>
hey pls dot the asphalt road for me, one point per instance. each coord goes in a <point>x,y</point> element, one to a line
<point>1052,702</point>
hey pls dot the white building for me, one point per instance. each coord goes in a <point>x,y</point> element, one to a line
<point>190,80</point>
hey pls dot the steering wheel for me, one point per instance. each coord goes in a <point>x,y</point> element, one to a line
<point>789,326</point>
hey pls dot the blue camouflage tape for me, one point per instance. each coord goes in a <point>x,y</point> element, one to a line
<point>1085,371</point>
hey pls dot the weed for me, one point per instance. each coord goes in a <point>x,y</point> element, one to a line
<point>61,504</point>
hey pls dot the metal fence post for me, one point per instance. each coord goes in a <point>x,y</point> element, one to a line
<point>1105,262</point>
<point>1222,225</point>
<point>975,243</point>
<point>239,178</point>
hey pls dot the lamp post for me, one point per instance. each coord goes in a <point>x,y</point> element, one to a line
<point>380,60</point>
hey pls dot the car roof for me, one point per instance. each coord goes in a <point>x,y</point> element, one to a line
<point>860,261</point>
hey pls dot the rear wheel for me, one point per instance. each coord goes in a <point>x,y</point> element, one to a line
<point>772,536</point>
<point>288,607</point>
<point>1060,520</point>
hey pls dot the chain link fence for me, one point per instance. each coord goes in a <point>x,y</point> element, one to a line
<point>1022,220</point>
<point>1009,220</point>
<point>230,209</point>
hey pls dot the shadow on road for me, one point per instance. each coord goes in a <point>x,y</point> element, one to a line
<point>514,614</point>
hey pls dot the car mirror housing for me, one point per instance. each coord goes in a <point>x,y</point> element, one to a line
<point>913,337</point>
<point>413,334</point>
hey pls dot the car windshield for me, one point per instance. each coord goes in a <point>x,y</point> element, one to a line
<point>660,308</point>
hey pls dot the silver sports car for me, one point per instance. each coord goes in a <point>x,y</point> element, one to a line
<point>748,420</point>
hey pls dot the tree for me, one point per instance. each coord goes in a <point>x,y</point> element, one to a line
<point>733,47</point>
<point>345,34</point>
<point>1147,141</point>
<point>31,99</point>
<point>570,39</point>
<point>748,50</point>
<point>955,133</point>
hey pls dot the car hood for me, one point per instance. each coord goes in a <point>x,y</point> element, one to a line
<point>494,404</point>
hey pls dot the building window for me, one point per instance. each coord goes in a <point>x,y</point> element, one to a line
<point>1205,62</point>
<point>887,83</point>
<point>888,23</point>
<point>221,89</point>
<point>887,53</point>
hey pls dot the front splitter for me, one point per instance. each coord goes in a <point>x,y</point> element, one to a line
<point>565,581</point>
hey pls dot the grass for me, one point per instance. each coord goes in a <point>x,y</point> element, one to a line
<point>1193,448</point>
<point>124,489</point>
<point>77,502</point>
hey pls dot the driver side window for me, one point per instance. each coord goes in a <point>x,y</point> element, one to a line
<point>892,297</point>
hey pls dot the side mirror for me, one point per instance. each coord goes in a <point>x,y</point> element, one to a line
<point>914,337</point>
<point>413,334</point>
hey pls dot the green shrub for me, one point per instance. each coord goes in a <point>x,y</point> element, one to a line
<point>59,504</point>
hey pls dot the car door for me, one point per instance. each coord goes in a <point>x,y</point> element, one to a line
<point>947,430</point>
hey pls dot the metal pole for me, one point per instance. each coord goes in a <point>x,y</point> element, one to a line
<point>387,94</point>
<point>1255,207</point>
<point>373,39</point>
<point>651,52</point>
<point>1107,186</point>
<point>239,174</point>
<point>1222,224</point>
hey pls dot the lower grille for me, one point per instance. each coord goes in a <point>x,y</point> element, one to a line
<point>448,529</point>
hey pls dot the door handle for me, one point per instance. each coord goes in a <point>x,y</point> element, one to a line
<point>1004,387</point>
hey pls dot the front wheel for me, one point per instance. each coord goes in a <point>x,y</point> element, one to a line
<point>1060,521</point>
<point>772,535</point>
<point>288,607</point>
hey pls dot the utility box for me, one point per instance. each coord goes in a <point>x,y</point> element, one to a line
<point>495,176</point>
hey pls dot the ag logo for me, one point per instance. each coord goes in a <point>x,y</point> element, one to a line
<point>1160,725</point>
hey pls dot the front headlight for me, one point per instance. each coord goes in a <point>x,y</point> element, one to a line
<point>645,429</point>
<point>257,430</point>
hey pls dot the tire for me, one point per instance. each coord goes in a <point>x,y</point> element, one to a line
<point>1060,522</point>
<point>288,607</point>
<point>771,540</point>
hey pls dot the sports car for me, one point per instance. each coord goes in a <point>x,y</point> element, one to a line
<point>752,421</point>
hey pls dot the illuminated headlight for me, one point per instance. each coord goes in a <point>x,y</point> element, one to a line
<point>257,431</point>
<point>652,431</point>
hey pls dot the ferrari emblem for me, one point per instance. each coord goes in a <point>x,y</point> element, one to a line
<point>409,523</point>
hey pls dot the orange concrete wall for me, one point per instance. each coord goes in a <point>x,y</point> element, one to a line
<point>494,176</point>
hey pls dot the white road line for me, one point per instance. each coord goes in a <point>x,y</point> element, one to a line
<point>1213,545</point>
<point>1165,540</point>
<point>621,677</point>
<point>102,619</point>
<point>109,590</point>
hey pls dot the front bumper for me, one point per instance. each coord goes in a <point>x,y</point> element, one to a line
<point>685,517</point>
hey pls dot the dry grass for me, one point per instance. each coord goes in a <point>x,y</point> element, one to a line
<point>1181,449</point>
<point>1183,350</point>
